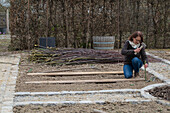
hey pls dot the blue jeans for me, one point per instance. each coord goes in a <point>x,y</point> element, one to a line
<point>128,68</point>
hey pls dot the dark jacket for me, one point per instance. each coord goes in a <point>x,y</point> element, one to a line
<point>129,54</point>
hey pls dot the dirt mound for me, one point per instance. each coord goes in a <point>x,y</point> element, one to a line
<point>161,92</point>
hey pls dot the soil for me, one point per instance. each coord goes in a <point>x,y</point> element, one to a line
<point>117,107</point>
<point>26,66</point>
<point>161,92</point>
<point>163,53</point>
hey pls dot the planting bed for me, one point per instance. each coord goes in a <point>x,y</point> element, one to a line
<point>26,66</point>
<point>117,107</point>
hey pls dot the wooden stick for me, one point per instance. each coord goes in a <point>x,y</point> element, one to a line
<point>70,70</point>
<point>76,73</point>
<point>83,81</point>
<point>145,71</point>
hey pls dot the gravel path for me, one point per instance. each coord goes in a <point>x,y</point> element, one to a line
<point>8,76</point>
<point>160,69</point>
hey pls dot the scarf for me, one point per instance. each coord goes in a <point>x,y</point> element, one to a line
<point>134,45</point>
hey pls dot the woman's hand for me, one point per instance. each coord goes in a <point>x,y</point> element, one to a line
<point>146,65</point>
<point>137,50</point>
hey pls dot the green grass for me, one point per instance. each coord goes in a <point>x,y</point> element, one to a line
<point>4,43</point>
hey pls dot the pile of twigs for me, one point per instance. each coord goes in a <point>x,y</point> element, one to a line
<point>74,56</point>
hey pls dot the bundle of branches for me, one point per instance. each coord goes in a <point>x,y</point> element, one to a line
<point>74,56</point>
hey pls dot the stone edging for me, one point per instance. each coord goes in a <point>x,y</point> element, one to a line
<point>76,92</point>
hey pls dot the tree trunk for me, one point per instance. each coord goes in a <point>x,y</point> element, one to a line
<point>147,27</point>
<point>165,22</point>
<point>92,25</point>
<point>118,27</point>
<point>104,17</point>
<point>154,19</point>
<point>83,24</point>
<point>73,25</point>
<point>65,22</point>
<point>137,14</point>
<point>28,25</point>
<point>47,16</point>
<point>88,25</point>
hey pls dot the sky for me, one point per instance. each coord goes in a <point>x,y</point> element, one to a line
<point>3,3</point>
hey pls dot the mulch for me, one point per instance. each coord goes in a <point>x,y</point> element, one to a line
<point>161,92</point>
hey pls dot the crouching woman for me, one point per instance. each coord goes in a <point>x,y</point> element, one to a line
<point>134,55</point>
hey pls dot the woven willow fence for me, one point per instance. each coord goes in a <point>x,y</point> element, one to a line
<point>75,22</point>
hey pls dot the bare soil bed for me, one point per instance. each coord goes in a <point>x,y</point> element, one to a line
<point>26,66</point>
<point>117,107</point>
<point>151,107</point>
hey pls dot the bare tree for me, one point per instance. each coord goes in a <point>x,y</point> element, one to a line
<point>75,22</point>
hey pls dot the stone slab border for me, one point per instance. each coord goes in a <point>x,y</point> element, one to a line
<point>76,92</point>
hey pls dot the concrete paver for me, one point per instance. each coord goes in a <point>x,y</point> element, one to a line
<point>8,76</point>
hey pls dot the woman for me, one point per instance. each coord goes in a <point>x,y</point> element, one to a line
<point>135,56</point>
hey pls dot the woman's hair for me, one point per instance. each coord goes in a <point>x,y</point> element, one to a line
<point>136,34</point>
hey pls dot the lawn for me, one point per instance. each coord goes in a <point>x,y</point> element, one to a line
<point>4,43</point>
